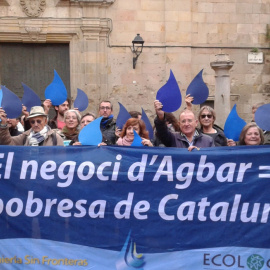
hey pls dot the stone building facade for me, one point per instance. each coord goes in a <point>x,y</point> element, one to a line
<point>184,36</point>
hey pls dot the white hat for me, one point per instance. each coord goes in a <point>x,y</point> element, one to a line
<point>36,111</point>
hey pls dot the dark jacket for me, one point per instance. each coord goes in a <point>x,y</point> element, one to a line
<point>219,137</point>
<point>26,124</point>
<point>266,135</point>
<point>107,127</point>
<point>52,123</point>
<point>14,132</point>
<point>176,139</point>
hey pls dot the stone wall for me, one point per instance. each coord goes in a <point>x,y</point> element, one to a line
<point>180,35</point>
<point>186,36</point>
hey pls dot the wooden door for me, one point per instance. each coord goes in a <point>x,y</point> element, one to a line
<point>33,64</point>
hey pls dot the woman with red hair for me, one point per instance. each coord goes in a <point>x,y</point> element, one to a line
<point>127,134</point>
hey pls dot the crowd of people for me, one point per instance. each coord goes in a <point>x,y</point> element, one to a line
<point>35,128</point>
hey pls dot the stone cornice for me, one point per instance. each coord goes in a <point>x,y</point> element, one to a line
<point>100,3</point>
<point>95,31</point>
<point>51,30</point>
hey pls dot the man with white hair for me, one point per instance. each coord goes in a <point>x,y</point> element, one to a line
<point>189,137</point>
<point>40,133</point>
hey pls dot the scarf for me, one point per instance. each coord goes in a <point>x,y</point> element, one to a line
<point>124,141</point>
<point>36,138</point>
<point>105,120</point>
<point>69,136</point>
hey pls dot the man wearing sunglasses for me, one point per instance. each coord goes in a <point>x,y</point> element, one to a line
<point>40,133</point>
<point>189,136</point>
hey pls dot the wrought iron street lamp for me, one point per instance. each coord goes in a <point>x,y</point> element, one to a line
<point>137,48</point>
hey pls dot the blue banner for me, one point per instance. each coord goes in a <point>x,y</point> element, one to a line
<point>129,208</point>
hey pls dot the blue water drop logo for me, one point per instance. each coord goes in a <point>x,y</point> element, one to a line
<point>128,258</point>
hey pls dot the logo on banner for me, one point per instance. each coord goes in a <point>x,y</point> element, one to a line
<point>128,258</point>
<point>255,262</point>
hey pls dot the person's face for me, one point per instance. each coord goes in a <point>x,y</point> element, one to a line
<point>12,123</point>
<point>105,109</point>
<point>86,120</point>
<point>130,129</point>
<point>38,123</point>
<point>71,120</point>
<point>206,118</point>
<point>187,123</point>
<point>252,136</point>
<point>62,108</point>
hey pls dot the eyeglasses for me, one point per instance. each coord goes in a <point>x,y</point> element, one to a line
<point>105,108</point>
<point>34,121</point>
<point>206,115</point>
<point>189,121</point>
<point>71,117</point>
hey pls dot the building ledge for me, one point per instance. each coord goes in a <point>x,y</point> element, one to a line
<point>85,2</point>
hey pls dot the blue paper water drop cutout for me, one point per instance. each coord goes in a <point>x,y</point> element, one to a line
<point>198,89</point>
<point>169,95</point>
<point>1,96</point>
<point>91,134</point>
<point>30,98</point>
<point>233,125</point>
<point>56,91</point>
<point>11,103</point>
<point>122,117</point>
<point>148,124</point>
<point>262,117</point>
<point>81,101</point>
<point>137,141</point>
